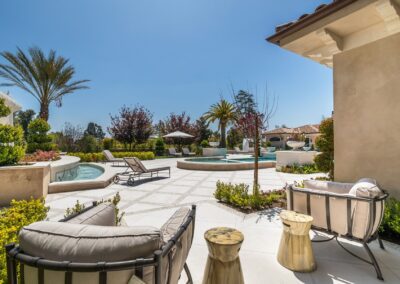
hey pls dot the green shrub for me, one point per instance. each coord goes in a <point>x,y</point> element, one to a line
<point>204,144</point>
<point>324,143</point>
<point>78,207</point>
<point>299,169</point>
<point>89,144</point>
<point>12,146</point>
<point>160,147</point>
<point>38,139</point>
<point>238,196</point>
<point>98,157</point>
<point>390,226</point>
<point>12,219</point>
<point>108,143</point>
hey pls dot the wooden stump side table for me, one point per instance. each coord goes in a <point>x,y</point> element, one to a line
<point>295,250</point>
<point>223,263</point>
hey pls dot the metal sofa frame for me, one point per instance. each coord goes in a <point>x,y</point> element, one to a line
<point>369,236</point>
<point>16,257</point>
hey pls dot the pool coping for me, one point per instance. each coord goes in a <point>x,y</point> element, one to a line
<point>210,166</point>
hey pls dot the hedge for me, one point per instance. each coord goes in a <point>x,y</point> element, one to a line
<point>12,219</point>
<point>98,157</point>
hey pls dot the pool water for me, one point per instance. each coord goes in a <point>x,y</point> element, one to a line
<point>80,172</point>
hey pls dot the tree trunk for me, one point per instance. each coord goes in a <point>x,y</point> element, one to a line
<point>44,111</point>
<point>223,136</point>
<point>256,152</point>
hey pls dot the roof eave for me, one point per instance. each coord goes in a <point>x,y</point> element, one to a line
<point>309,20</point>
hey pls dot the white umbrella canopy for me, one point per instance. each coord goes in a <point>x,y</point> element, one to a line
<point>178,134</point>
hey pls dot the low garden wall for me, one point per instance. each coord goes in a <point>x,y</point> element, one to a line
<point>24,182</point>
<point>214,152</point>
<point>288,158</point>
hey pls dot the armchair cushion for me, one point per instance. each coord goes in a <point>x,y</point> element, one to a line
<point>365,188</point>
<point>100,215</point>
<point>88,243</point>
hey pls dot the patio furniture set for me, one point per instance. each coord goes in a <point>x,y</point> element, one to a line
<point>88,247</point>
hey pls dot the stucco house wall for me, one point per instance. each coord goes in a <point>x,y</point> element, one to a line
<point>367,113</point>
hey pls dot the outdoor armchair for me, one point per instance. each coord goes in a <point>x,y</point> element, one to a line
<point>88,248</point>
<point>347,210</point>
<point>187,152</point>
<point>172,152</point>
<point>136,169</point>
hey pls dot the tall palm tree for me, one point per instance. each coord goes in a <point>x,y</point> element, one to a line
<point>225,113</point>
<point>47,79</point>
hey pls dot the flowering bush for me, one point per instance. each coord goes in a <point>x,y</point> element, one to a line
<point>41,156</point>
<point>12,219</point>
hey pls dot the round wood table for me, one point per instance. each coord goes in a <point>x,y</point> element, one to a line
<point>295,250</point>
<point>223,263</point>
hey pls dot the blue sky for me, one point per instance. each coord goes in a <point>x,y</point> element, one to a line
<point>170,56</point>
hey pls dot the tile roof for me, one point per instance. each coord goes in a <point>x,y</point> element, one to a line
<point>304,129</point>
<point>305,20</point>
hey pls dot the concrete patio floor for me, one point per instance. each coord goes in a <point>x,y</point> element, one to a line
<point>151,203</point>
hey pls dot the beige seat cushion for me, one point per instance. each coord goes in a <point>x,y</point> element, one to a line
<point>100,215</point>
<point>87,243</point>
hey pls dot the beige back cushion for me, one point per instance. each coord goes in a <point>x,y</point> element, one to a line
<point>100,215</point>
<point>88,243</point>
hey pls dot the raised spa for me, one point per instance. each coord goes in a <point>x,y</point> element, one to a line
<point>225,164</point>
<point>80,172</point>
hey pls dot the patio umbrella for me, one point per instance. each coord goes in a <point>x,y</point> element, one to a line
<point>178,134</point>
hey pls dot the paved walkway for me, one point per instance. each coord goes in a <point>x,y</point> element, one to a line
<point>153,202</point>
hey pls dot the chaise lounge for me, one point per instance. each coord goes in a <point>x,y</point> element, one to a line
<point>172,152</point>
<point>137,169</point>
<point>346,210</point>
<point>111,159</point>
<point>186,152</point>
<point>88,248</point>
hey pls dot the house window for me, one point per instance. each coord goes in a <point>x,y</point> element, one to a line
<point>274,139</point>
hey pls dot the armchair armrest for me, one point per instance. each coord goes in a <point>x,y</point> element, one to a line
<point>100,215</point>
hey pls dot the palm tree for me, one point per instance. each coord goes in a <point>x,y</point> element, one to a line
<point>225,113</point>
<point>47,79</point>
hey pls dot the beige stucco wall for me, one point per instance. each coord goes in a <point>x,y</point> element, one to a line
<point>367,113</point>
<point>22,182</point>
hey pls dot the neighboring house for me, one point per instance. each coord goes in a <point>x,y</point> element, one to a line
<point>360,40</point>
<point>278,137</point>
<point>13,105</point>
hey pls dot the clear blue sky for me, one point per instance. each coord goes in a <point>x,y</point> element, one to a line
<point>170,56</point>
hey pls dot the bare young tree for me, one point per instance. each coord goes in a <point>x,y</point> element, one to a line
<point>254,118</point>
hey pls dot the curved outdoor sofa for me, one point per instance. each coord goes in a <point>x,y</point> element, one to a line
<point>87,248</point>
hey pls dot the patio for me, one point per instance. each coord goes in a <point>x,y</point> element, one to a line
<point>152,202</point>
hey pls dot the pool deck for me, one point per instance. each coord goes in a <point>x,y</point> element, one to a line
<point>153,202</point>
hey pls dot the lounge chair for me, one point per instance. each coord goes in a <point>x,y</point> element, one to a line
<point>111,159</point>
<point>172,152</point>
<point>186,152</point>
<point>89,248</point>
<point>346,210</point>
<point>137,169</point>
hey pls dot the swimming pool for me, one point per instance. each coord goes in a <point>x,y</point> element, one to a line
<point>80,172</point>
